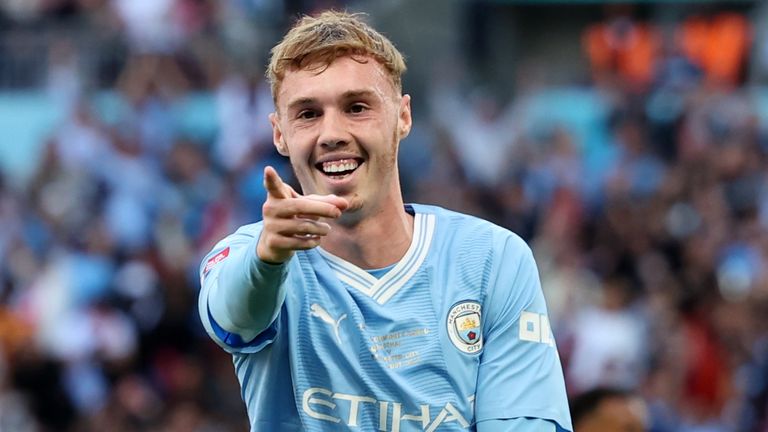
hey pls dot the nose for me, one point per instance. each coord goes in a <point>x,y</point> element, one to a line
<point>333,132</point>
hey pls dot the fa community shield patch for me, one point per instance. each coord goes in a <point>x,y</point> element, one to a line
<point>464,329</point>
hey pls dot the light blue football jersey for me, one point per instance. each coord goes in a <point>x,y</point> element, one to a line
<point>453,334</point>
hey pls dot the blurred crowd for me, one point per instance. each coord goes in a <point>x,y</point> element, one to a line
<point>643,194</point>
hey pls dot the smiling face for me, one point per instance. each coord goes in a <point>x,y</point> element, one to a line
<point>340,127</point>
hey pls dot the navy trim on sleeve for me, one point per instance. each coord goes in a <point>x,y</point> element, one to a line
<point>234,340</point>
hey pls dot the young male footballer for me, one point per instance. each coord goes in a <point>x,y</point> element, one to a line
<point>346,309</point>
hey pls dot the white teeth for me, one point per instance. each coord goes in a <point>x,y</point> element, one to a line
<point>339,165</point>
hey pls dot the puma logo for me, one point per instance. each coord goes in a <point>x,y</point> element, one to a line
<point>319,312</point>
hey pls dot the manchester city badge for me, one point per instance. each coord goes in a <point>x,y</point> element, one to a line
<point>464,326</point>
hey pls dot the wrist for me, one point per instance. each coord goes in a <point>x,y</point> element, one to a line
<point>268,256</point>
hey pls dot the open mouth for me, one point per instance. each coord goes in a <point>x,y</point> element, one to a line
<point>338,169</point>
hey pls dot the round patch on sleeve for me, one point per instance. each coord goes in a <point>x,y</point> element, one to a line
<point>464,328</point>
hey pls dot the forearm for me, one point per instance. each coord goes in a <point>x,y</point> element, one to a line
<point>247,293</point>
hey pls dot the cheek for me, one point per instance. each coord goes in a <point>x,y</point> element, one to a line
<point>303,174</point>
<point>298,155</point>
<point>394,143</point>
<point>387,158</point>
<point>300,166</point>
<point>295,142</point>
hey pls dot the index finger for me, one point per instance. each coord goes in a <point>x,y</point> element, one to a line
<point>274,184</point>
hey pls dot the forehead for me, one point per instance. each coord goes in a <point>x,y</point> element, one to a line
<point>342,76</point>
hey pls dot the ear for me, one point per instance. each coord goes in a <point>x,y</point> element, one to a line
<point>404,120</point>
<point>277,134</point>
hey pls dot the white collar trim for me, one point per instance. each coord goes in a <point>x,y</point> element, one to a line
<point>385,288</point>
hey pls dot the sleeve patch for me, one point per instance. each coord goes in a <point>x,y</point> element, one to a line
<point>535,327</point>
<point>219,257</point>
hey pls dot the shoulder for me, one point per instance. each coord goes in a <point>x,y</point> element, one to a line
<point>250,230</point>
<point>242,237</point>
<point>463,230</point>
<point>242,234</point>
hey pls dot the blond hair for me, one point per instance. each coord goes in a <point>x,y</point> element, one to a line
<point>315,42</point>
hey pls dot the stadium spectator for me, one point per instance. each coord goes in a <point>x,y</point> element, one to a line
<point>623,48</point>
<point>607,409</point>
<point>719,44</point>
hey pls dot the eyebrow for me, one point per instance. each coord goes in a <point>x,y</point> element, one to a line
<point>351,94</point>
<point>301,102</point>
<point>354,94</point>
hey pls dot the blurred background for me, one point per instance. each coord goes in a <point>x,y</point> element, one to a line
<point>627,143</point>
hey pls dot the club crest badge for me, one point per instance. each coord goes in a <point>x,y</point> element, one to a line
<point>464,326</point>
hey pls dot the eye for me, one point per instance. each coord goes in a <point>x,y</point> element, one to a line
<point>358,108</point>
<point>307,114</point>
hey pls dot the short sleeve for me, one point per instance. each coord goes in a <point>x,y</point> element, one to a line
<point>520,374</point>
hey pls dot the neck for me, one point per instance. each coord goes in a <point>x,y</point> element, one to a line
<point>377,240</point>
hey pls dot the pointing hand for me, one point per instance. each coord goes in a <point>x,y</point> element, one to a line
<point>292,221</point>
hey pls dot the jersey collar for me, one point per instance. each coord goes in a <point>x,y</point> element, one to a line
<point>383,289</point>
